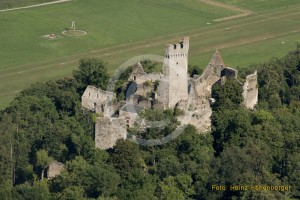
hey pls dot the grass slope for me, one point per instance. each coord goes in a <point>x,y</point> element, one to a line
<point>119,30</point>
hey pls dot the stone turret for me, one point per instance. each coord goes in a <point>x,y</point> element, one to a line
<point>174,85</point>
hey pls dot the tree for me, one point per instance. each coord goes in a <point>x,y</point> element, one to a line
<point>7,130</point>
<point>43,161</point>
<point>100,180</point>
<point>169,189</point>
<point>34,117</point>
<point>231,128</point>
<point>91,72</point>
<point>72,193</point>
<point>95,179</point>
<point>138,185</point>
<point>125,156</point>
<point>150,66</point>
<point>39,190</point>
<point>227,96</point>
<point>61,92</point>
<point>194,70</point>
<point>242,166</point>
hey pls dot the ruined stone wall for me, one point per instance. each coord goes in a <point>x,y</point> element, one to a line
<point>107,108</point>
<point>93,96</point>
<point>211,74</point>
<point>203,86</point>
<point>129,117</point>
<point>197,112</point>
<point>140,76</point>
<point>146,103</point>
<point>54,169</point>
<point>144,90</point>
<point>174,87</point>
<point>163,92</point>
<point>250,91</point>
<point>108,130</point>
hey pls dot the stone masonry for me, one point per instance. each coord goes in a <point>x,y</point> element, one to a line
<point>250,91</point>
<point>108,130</point>
<point>174,85</point>
<point>175,89</point>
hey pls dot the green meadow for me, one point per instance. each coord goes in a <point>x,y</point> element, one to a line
<point>121,29</point>
<point>261,6</point>
<point>8,4</point>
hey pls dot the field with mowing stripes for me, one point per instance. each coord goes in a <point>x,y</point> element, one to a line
<point>119,30</point>
<point>8,4</point>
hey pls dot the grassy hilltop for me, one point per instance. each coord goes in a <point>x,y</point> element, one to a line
<point>119,30</point>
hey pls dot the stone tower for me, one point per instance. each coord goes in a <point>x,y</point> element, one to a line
<point>174,86</point>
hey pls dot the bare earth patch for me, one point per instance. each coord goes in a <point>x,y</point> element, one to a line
<point>52,36</point>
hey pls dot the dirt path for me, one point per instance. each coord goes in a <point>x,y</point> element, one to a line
<point>228,7</point>
<point>37,5</point>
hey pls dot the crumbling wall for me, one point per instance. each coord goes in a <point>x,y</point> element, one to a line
<point>196,112</point>
<point>54,169</point>
<point>130,113</point>
<point>163,93</point>
<point>93,96</point>
<point>129,117</point>
<point>201,87</point>
<point>250,91</point>
<point>107,108</point>
<point>108,130</point>
<point>210,75</point>
<point>174,89</point>
<point>144,90</point>
<point>140,76</point>
<point>229,72</point>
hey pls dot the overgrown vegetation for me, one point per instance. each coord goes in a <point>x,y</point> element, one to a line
<point>261,147</point>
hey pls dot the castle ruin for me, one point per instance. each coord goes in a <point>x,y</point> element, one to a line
<point>174,84</point>
<point>175,89</point>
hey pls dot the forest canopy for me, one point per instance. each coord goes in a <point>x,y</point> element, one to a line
<point>261,147</point>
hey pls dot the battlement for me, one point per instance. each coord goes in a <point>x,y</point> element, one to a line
<point>177,50</point>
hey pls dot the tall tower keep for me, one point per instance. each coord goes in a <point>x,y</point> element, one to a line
<point>174,86</point>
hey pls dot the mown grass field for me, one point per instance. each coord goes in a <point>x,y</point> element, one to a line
<point>261,6</point>
<point>119,30</point>
<point>7,4</point>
